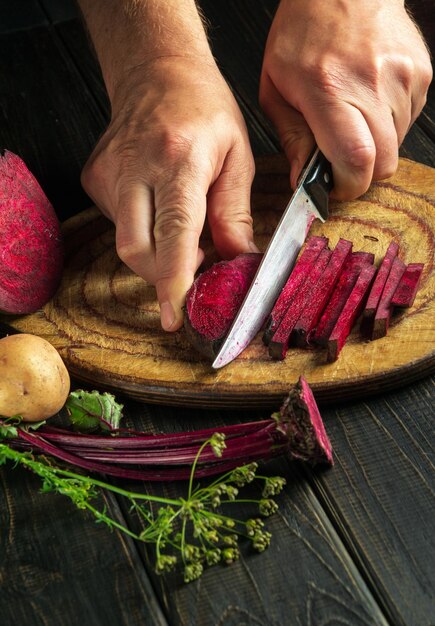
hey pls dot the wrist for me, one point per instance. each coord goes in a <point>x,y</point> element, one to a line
<point>129,35</point>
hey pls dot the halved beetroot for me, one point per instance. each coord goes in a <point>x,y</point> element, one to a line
<point>31,248</point>
<point>214,299</point>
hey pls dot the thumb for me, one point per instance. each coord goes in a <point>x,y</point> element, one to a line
<point>228,206</point>
<point>179,219</point>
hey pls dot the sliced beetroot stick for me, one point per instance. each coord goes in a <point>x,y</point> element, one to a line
<point>279,343</point>
<point>321,293</point>
<point>407,288</point>
<point>299,274</point>
<point>385,308</point>
<point>350,312</point>
<point>377,289</point>
<point>341,293</point>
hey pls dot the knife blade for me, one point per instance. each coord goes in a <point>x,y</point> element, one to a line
<point>309,200</point>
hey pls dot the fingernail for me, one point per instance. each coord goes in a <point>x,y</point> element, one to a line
<point>253,247</point>
<point>167,315</point>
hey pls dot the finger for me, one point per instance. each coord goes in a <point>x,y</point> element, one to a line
<point>295,135</point>
<point>134,231</point>
<point>228,206</point>
<point>179,219</point>
<point>343,135</point>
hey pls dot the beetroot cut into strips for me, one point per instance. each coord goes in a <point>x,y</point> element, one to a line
<point>299,274</point>
<point>340,295</point>
<point>279,343</point>
<point>385,308</point>
<point>350,313</point>
<point>214,299</point>
<point>321,293</point>
<point>407,288</point>
<point>375,294</point>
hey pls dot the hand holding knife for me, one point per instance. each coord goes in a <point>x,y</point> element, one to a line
<point>310,199</point>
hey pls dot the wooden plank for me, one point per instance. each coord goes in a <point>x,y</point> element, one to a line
<point>304,577</point>
<point>60,10</point>
<point>380,497</point>
<point>20,15</point>
<point>58,567</point>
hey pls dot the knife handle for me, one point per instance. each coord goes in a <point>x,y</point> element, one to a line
<point>319,182</point>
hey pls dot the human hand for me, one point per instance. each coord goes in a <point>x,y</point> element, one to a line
<point>350,76</point>
<point>175,151</point>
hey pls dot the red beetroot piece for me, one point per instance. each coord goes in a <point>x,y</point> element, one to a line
<point>304,427</point>
<point>213,300</point>
<point>407,288</point>
<point>299,274</point>
<point>31,248</point>
<point>350,312</point>
<point>341,293</point>
<point>377,288</point>
<point>278,345</point>
<point>320,294</point>
<point>385,308</point>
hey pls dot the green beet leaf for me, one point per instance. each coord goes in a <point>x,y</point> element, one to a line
<point>90,410</point>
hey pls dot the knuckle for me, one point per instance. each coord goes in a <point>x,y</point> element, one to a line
<point>129,250</point>
<point>170,223</point>
<point>360,156</point>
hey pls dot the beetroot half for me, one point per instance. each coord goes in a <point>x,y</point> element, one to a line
<point>213,300</point>
<point>31,248</point>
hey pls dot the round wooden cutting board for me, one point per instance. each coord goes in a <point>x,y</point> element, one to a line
<point>105,321</point>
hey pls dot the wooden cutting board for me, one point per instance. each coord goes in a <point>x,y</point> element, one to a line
<point>105,321</point>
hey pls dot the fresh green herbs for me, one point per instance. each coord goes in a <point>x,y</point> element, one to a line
<point>192,532</point>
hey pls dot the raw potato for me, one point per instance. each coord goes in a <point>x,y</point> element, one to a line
<point>34,381</point>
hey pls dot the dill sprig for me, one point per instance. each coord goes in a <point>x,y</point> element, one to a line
<point>188,533</point>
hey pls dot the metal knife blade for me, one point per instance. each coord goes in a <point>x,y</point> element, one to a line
<point>309,199</point>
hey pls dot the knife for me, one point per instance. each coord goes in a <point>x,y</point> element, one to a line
<point>309,200</point>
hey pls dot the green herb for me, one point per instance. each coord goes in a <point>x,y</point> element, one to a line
<point>192,532</point>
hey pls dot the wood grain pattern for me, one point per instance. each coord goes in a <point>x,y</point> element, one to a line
<point>105,321</point>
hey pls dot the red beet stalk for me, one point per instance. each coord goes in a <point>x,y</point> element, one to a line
<point>350,312</point>
<point>407,288</point>
<point>321,293</point>
<point>340,295</point>
<point>385,308</point>
<point>296,430</point>
<point>298,276</point>
<point>375,294</point>
<point>278,345</point>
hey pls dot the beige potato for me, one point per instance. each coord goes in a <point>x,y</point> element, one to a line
<point>34,381</point>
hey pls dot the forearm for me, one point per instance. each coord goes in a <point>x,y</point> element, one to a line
<point>128,34</point>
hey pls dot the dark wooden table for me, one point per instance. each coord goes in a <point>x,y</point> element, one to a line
<point>354,545</point>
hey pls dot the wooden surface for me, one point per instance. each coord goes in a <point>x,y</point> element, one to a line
<point>105,321</point>
<point>353,545</point>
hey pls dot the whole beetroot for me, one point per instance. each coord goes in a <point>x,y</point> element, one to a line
<point>214,299</point>
<point>31,248</point>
